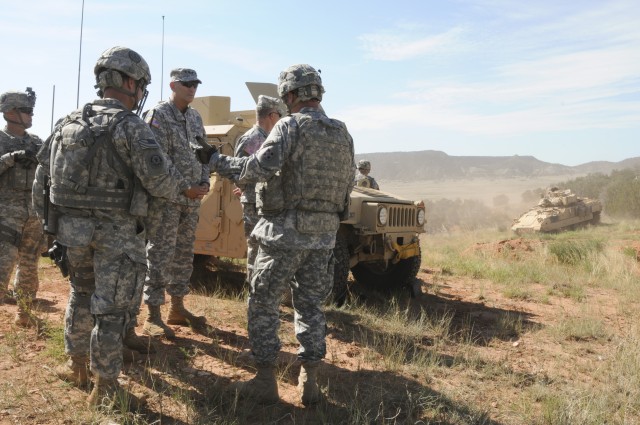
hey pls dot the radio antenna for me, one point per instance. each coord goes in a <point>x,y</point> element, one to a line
<point>162,61</point>
<point>80,56</point>
<point>53,105</point>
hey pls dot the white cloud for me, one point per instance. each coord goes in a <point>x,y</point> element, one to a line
<point>542,71</point>
<point>387,46</point>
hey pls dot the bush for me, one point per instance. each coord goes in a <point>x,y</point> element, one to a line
<point>572,252</point>
<point>619,192</point>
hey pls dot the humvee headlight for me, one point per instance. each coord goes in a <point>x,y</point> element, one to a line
<point>382,216</point>
<point>420,217</point>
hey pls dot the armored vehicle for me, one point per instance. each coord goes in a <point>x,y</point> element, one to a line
<point>558,210</point>
<point>378,243</point>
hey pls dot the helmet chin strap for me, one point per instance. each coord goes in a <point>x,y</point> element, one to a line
<point>138,105</point>
<point>143,100</point>
<point>292,104</point>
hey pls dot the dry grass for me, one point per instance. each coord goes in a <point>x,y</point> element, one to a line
<point>499,337</point>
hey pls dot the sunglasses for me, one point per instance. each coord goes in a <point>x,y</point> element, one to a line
<point>190,84</point>
<point>26,110</point>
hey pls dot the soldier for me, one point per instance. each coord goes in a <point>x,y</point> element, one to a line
<point>104,164</point>
<point>363,179</point>
<point>171,224</point>
<point>307,168</point>
<point>20,231</point>
<point>268,111</point>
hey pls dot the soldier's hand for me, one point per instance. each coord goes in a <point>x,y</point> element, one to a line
<point>196,192</point>
<point>204,153</point>
<point>25,158</point>
<point>237,191</point>
<point>8,158</point>
<point>19,154</point>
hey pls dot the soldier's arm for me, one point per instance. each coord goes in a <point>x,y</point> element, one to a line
<point>263,164</point>
<point>152,166</point>
<point>158,125</point>
<point>240,151</point>
<point>37,191</point>
<point>6,162</point>
<point>205,176</point>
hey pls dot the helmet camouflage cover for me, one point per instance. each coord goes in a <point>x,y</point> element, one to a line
<point>363,164</point>
<point>266,103</point>
<point>124,60</point>
<point>299,76</point>
<point>17,99</point>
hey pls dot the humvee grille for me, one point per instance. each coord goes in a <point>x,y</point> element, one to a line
<point>402,216</point>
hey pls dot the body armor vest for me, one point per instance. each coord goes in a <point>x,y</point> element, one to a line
<point>319,174</point>
<point>83,145</point>
<point>19,177</point>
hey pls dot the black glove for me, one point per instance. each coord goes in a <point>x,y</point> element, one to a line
<point>204,153</point>
<point>24,158</point>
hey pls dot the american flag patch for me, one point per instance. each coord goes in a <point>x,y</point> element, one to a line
<point>150,119</point>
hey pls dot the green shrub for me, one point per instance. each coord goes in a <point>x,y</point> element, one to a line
<point>572,252</point>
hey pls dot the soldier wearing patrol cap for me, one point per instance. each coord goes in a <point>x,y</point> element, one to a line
<point>304,172</point>
<point>363,179</point>
<point>268,111</point>
<point>21,235</point>
<point>171,223</point>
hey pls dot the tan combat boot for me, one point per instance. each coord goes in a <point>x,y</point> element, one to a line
<point>154,326</point>
<point>263,387</point>
<point>245,358</point>
<point>178,315</point>
<point>137,343</point>
<point>308,383</point>
<point>109,394</point>
<point>7,297</point>
<point>23,318</point>
<point>75,371</point>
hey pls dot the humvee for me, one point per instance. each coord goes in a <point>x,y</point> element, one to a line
<point>378,242</point>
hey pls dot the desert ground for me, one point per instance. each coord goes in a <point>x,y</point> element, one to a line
<point>506,332</point>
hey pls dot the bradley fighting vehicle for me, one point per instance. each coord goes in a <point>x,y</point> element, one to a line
<point>558,210</point>
<point>378,243</point>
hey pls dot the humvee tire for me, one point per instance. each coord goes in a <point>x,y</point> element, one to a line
<point>389,276</point>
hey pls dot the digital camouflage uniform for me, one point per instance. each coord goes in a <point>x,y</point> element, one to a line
<point>21,238</point>
<point>100,223</point>
<point>78,318</point>
<point>307,164</point>
<point>171,224</point>
<point>247,145</point>
<point>363,180</point>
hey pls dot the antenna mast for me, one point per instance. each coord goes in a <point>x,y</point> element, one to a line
<point>80,56</point>
<point>162,61</point>
<point>53,105</point>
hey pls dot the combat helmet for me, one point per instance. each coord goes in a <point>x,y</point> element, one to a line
<point>303,78</point>
<point>124,60</point>
<point>17,99</point>
<point>267,103</point>
<point>363,164</point>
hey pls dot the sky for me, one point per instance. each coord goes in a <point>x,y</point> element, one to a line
<point>557,80</point>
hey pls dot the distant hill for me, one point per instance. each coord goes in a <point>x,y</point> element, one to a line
<point>436,165</point>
